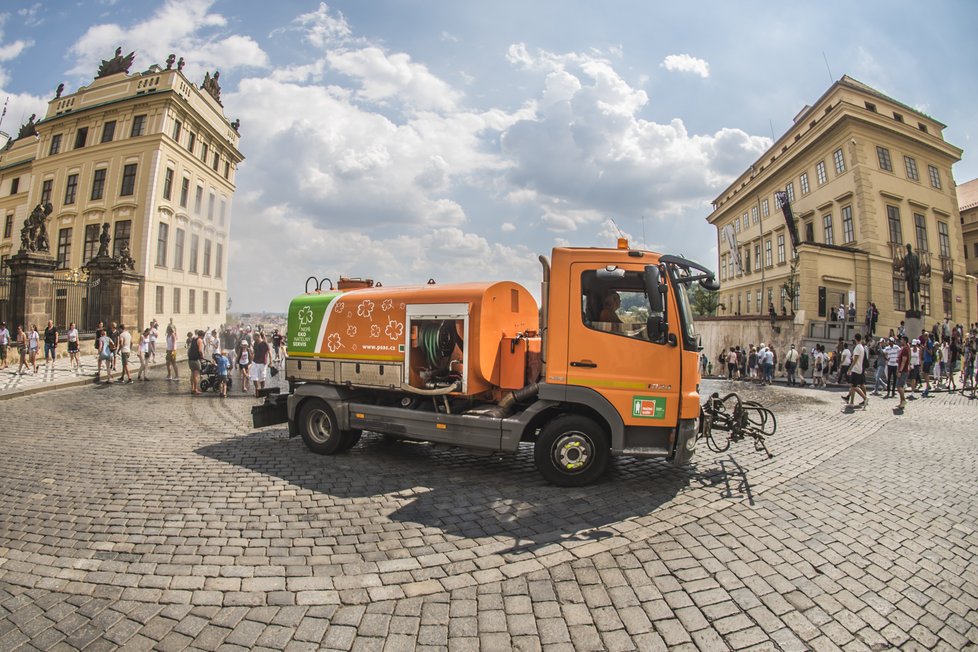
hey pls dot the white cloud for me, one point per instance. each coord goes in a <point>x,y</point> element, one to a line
<point>507,227</point>
<point>686,63</point>
<point>322,28</point>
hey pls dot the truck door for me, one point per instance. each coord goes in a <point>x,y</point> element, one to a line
<point>609,349</point>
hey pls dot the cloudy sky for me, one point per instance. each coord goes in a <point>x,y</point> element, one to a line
<point>407,139</point>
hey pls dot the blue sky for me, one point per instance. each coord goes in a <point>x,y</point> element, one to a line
<point>402,140</point>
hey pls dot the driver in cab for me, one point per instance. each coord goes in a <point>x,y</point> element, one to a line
<point>609,311</point>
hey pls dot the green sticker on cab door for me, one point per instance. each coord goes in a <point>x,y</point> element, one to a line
<point>649,407</point>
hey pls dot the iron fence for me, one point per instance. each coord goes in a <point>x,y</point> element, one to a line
<point>78,301</point>
<point>5,309</point>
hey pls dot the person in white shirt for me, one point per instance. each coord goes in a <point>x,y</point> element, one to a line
<point>4,344</point>
<point>72,336</point>
<point>171,354</point>
<point>790,364</point>
<point>856,376</point>
<point>124,349</point>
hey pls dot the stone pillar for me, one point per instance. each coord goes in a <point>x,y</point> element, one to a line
<point>31,289</point>
<point>118,290</point>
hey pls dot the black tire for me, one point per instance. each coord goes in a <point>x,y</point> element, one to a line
<point>204,384</point>
<point>317,425</point>
<point>572,451</point>
<point>350,438</point>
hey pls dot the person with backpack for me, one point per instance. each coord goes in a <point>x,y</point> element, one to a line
<point>106,351</point>
<point>195,354</point>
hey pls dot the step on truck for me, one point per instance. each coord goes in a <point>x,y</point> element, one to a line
<point>607,367</point>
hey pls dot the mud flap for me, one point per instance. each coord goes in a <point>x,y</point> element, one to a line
<point>272,412</point>
<point>685,442</point>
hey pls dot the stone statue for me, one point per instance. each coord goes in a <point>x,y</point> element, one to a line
<point>34,234</point>
<point>103,242</point>
<point>125,257</point>
<point>911,274</point>
<point>180,64</point>
<point>169,61</point>
<point>61,89</point>
<point>118,63</point>
<point>212,86</point>
<point>236,125</point>
<point>28,128</point>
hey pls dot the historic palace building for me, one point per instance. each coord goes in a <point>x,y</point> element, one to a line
<point>968,205</point>
<point>152,156</point>
<point>864,175</point>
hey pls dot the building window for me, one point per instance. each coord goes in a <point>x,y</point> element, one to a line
<point>911,166</point>
<point>765,207</point>
<point>178,249</point>
<point>46,189</point>
<point>920,227</point>
<point>184,191</point>
<point>191,141</point>
<point>897,116</point>
<point>128,180</point>
<point>840,161</point>
<point>723,267</point>
<point>848,232</point>
<point>98,184</point>
<point>757,257</point>
<point>827,228</point>
<point>55,144</point>
<point>760,308</point>
<point>176,301</point>
<point>138,126</point>
<point>753,213</point>
<point>893,219</point>
<point>809,232</point>
<point>64,247</point>
<point>218,260</point>
<point>159,299</point>
<point>8,227</point>
<point>935,177</point>
<point>207,257</point>
<point>768,261</point>
<point>747,266</point>
<point>946,296</point>
<point>14,185</point>
<point>203,302</point>
<point>883,155</point>
<point>194,247</point>
<point>227,169</point>
<point>203,152</point>
<point>730,266</point>
<point>191,300</point>
<point>216,161</point>
<point>925,298</point>
<point>198,199</point>
<point>736,226</point>
<point>820,172</point>
<point>91,242</point>
<point>80,137</point>
<point>168,183</point>
<point>161,240</point>
<point>123,229</point>
<point>944,238</point>
<point>804,183</point>
<point>791,192</point>
<point>796,304</point>
<point>975,249</point>
<point>108,131</point>
<point>781,249</point>
<point>749,297</point>
<point>211,199</point>
<point>217,302</point>
<point>176,130</point>
<point>899,294</point>
<point>71,189</point>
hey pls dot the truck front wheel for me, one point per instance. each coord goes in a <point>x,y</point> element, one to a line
<point>572,451</point>
<point>317,425</point>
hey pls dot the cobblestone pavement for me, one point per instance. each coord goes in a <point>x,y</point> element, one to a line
<point>139,517</point>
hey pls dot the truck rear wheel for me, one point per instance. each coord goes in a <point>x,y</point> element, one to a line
<point>572,451</point>
<point>317,425</point>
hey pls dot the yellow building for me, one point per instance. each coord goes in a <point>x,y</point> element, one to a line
<point>865,175</point>
<point>968,205</point>
<point>152,155</point>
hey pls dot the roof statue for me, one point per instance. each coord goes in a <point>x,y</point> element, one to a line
<point>28,128</point>
<point>236,125</point>
<point>118,63</point>
<point>169,61</point>
<point>61,89</point>
<point>212,86</point>
<point>180,64</point>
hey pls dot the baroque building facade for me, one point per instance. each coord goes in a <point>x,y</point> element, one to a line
<point>151,155</point>
<point>864,175</point>
<point>968,205</point>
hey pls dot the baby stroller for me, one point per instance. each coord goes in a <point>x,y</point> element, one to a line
<point>209,378</point>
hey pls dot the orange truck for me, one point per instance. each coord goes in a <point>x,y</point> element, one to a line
<point>607,367</point>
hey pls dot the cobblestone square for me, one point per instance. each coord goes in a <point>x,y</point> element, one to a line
<point>141,517</point>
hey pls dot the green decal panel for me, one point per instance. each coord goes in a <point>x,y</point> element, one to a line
<point>649,407</point>
<point>306,320</point>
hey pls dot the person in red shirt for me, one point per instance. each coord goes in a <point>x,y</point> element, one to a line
<point>903,369</point>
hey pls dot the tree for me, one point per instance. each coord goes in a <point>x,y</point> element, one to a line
<point>791,286</point>
<point>703,302</point>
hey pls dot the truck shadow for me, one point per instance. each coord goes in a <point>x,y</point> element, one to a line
<point>462,494</point>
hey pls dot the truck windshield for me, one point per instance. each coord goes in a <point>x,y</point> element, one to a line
<point>685,312</point>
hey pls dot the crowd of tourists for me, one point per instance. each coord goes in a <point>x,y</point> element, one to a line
<point>119,351</point>
<point>900,364</point>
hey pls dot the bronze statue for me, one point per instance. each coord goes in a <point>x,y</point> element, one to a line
<point>236,125</point>
<point>103,242</point>
<point>61,89</point>
<point>911,274</point>
<point>169,61</point>
<point>180,64</point>
<point>118,63</point>
<point>28,128</point>
<point>34,234</point>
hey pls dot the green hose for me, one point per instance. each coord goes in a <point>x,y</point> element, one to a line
<point>428,339</point>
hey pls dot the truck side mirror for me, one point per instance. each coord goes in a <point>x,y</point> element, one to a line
<point>710,283</point>
<point>657,324</point>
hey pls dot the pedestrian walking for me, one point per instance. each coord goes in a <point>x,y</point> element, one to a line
<point>72,336</point>
<point>22,348</point>
<point>857,379</point>
<point>33,343</point>
<point>171,354</point>
<point>144,355</point>
<point>195,354</point>
<point>260,361</point>
<point>903,370</point>
<point>50,342</point>
<point>153,335</point>
<point>244,362</point>
<point>4,344</point>
<point>223,366</point>
<point>124,345</point>
<point>803,364</point>
<point>106,352</point>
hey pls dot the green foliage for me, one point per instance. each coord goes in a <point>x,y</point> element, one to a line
<point>703,302</point>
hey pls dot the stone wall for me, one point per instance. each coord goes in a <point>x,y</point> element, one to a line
<point>718,333</point>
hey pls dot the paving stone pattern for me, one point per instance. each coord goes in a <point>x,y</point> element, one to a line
<point>140,517</point>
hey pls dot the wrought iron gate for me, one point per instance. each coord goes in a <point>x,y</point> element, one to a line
<point>77,300</point>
